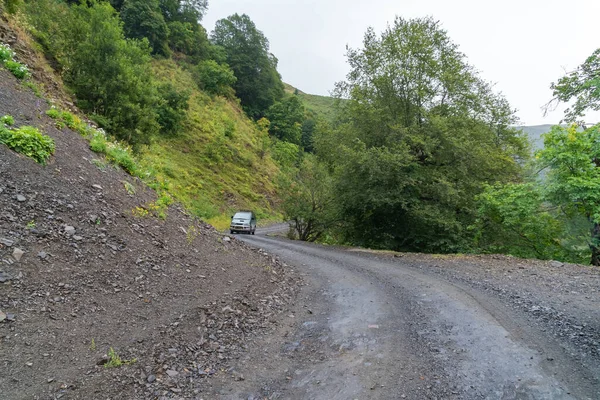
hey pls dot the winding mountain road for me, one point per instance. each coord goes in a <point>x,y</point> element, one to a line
<point>370,328</point>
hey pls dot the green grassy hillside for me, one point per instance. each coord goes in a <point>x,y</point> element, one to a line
<point>323,106</point>
<point>218,163</point>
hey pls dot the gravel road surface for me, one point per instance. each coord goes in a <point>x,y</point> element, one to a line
<point>376,327</point>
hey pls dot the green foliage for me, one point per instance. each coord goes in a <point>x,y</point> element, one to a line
<point>308,131</point>
<point>258,84</point>
<point>420,137</point>
<point>215,78</point>
<point>28,141</point>
<point>7,120</point>
<point>515,219</point>
<point>308,200</point>
<point>190,39</point>
<point>573,180</point>
<point>143,19</point>
<point>53,113</point>
<point>115,152</point>
<point>19,70</point>
<point>285,153</point>
<point>6,53</point>
<point>108,74</point>
<point>12,6</point>
<point>286,117</point>
<point>172,109</point>
<point>583,85</point>
<point>114,360</point>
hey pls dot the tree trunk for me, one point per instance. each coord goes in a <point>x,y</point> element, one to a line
<point>595,244</point>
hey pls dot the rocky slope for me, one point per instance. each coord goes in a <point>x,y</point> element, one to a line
<point>81,275</point>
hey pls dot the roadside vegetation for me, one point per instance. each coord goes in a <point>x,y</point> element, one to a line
<point>414,151</point>
<point>26,140</point>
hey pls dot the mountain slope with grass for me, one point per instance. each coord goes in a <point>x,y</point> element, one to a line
<point>175,115</point>
<point>322,106</point>
<point>220,161</point>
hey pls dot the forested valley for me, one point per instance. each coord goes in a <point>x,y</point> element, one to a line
<point>414,151</point>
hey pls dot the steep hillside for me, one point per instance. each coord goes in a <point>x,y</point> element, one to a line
<point>101,299</point>
<point>220,162</point>
<point>323,106</point>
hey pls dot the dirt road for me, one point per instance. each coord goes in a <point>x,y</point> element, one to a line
<point>373,327</point>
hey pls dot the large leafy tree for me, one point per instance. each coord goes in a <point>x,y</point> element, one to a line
<point>423,134</point>
<point>573,181</point>
<point>308,200</point>
<point>258,84</point>
<point>143,19</point>
<point>582,85</point>
<point>286,117</point>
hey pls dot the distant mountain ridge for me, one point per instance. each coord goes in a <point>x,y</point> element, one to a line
<point>534,133</point>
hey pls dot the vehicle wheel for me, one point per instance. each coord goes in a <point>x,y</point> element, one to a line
<point>232,232</point>
<point>253,231</point>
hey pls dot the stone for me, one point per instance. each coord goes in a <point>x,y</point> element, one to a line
<point>151,378</point>
<point>17,254</point>
<point>6,242</point>
<point>4,277</point>
<point>43,255</point>
<point>78,238</point>
<point>97,187</point>
<point>556,264</point>
<point>69,230</point>
<point>21,198</point>
<point>10,317</point>
<point>226,239</point>
<point>172,373</point>
<point>2,316</point>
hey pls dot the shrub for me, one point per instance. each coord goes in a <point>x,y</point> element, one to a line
<point>7,58</point>
<point>19,70</point>
<point>53,113</point>
<point>6,53</point>
<point>215,78</point>
<point>7,120</point>
<point>28,141</point>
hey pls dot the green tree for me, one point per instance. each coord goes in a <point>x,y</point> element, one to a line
<point>308,200</point>
<point>109,75</point>
<point>573,181</point>
<point>143,19</point>
<point>190,11</point>
<point>422,135</point>
<point>517,219</point>
<point>308,130</point>
<point>583,85</point>
<point>172,109</point>
<point>258,84</point>
<point>215,78</point>
<point>286,118</point>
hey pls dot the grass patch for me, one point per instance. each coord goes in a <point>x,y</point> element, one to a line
<point>114,361</point>
<point>7,59</point>
<point>28,141</point>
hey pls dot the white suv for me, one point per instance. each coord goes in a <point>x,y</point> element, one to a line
<point>243,221</point>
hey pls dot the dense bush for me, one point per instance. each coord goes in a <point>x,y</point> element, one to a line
<point>215,78</point>
<point>172,109</point>
<point>19,70</point>
<point>28,141</point>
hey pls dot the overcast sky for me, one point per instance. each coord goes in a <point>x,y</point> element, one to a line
<point>519,45</point>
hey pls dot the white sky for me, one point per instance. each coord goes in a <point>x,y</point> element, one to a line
<point>520,45</point>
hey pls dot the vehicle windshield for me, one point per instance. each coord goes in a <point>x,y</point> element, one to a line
<point>242,215</point>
